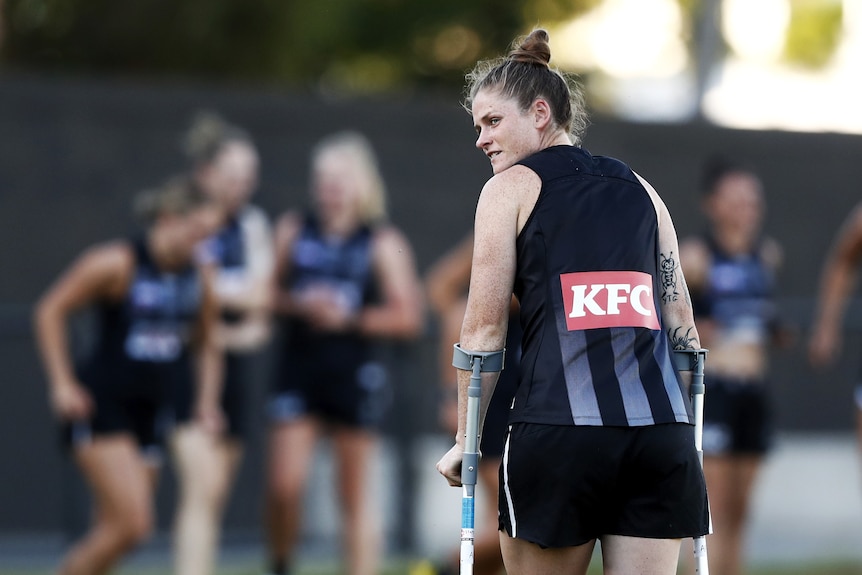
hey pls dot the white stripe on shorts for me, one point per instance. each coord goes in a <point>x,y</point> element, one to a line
<point>506,484</point>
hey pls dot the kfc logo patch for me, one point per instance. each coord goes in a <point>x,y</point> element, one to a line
<point>608,299</point>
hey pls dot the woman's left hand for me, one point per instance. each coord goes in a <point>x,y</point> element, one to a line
<point>327,311</point>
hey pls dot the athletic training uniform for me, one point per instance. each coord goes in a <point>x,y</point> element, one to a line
<point>335,376</point>
<point>601,440</point>
<point>141,357</point>
<point>227,250</point>
<point>738,297</point>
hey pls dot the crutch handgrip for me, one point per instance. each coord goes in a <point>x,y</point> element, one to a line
<point>692,360</point>
<point>689,359</point>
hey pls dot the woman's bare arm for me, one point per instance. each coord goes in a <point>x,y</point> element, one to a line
<point>400,313</point>
<point>208,356</point>
<point>674,298</point>
<point>837,281</point>
<point>286,232</point>
<point>101,272</point>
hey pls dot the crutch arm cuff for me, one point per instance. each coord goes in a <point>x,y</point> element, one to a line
<point>488,360</point>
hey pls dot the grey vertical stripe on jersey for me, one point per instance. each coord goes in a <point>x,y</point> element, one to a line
<point>506,490</point>
<point>576,369</point>
<point>675,392</point>
<point>635,400</point>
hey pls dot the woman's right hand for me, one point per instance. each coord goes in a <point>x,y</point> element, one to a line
<point>449,465</point>
<point>70,401</point>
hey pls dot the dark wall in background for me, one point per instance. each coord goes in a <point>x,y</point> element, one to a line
<point>73,153</point>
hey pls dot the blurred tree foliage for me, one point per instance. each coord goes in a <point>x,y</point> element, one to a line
<point>333,45</point>
<point>814,32</point>
<point>353,45</point>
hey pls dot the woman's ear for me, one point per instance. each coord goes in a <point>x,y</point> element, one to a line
<point>541,113</point>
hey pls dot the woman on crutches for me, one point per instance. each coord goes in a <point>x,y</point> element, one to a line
<point>601,441</point>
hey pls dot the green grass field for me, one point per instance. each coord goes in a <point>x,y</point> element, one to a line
<point>406,567</point>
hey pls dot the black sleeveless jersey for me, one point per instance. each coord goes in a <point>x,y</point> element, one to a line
<point>227,250</point>
<point>341,266</point>
<point>738,295</point>
<point>228,246</point>
<point>594,349</point>
<point>151,327</point>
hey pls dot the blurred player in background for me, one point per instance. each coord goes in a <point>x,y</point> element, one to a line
<point>344,278</point>
<point>730,272</point>
<point>225,167</point>
<point>156,315</point>
<point>446,285</point>
<point>837,282</point>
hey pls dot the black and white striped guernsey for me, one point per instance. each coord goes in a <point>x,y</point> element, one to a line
<point>594,349</point>
<point>146,336</point>
<point>343,267</point>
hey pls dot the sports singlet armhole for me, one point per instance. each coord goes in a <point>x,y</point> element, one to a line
<point>536,205</point>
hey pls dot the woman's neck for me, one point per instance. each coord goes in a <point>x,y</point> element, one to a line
<point>165,258</point>
<point>557,138</point>
<point>340,227</point>
<point>733,240</point>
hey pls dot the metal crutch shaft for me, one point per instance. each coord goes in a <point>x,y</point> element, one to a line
<point>475,362</point>
<point>693,360</point>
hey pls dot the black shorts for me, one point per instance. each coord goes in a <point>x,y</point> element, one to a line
<point>352,391</point>
<point>497,417</point>
<point>736,417</point>
<point>562,486</point>
<point>129,401</point>
<point>237,371</point>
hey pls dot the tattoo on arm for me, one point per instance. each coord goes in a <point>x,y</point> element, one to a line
<point>667,270</point>
<point>683,341</point>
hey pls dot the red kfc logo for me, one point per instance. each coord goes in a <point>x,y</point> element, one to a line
<point>608,299</point>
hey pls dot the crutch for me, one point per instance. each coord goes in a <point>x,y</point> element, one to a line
<point>475,362</point>
<point>693,360</point>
